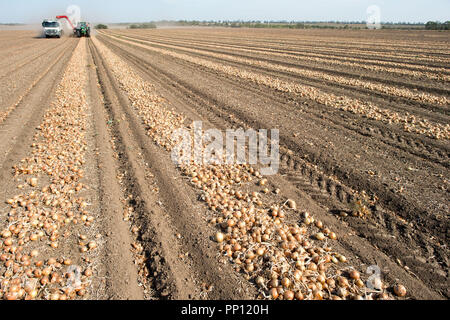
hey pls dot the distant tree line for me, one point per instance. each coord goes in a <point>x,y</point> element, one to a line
<point>101,26</point>
<point>299,24</point>
<point>146,25</point>
<point>283,24</point>
<point>434,25</point>
<point>273,24</point>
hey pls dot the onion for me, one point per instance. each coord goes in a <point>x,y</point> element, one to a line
<point>54,296</point>
<point>219,237</point>
<point>33,294</point>
<point>320,236</point>
<point>273,283</point>
<point>299,295</point>
<point>359,283</point>
<point>274,293</point>
<point>342,292</point>
<point>81,292</point>
<point>291,204</point>
<point>399,290</point>
<point>260,281</point>
<point>11,296</point>
<point>47,271</point>
<point>354,274</point>
<point>44,281</point>
<point>6,234</point>
<point>318,295</point>
<point>297,275</point>
<point>33,182</point>
<point>288,295</point>
<point>285,282</point>
<point>343,282</point>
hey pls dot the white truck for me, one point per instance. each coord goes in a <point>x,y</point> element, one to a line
<point>52,29</point>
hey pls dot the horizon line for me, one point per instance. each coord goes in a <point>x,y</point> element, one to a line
<point>252,21</point>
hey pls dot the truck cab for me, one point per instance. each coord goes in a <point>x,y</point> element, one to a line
<point>52,29</point>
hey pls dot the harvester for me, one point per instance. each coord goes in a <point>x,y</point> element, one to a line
<point>82,29</point>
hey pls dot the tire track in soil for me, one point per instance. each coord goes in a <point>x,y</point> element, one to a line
<point>172,275</point>
<point>321,188</point>
<point>119,270</point>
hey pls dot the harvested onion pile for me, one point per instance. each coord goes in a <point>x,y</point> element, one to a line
<point>409,123</point>
<point>402,69</point>
<point>358,83</point>
<point>41,219</point>
<point>284,260</point>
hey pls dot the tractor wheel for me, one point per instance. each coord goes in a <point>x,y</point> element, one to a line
<point>78,34</point>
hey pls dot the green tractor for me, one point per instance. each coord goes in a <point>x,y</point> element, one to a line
<point>83,29</point>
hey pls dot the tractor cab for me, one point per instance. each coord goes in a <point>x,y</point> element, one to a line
<point>83,29</point>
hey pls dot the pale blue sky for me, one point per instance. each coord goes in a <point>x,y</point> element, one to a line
<point>30,11</point>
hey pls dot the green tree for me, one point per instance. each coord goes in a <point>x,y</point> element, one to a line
<point>101,26</point>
